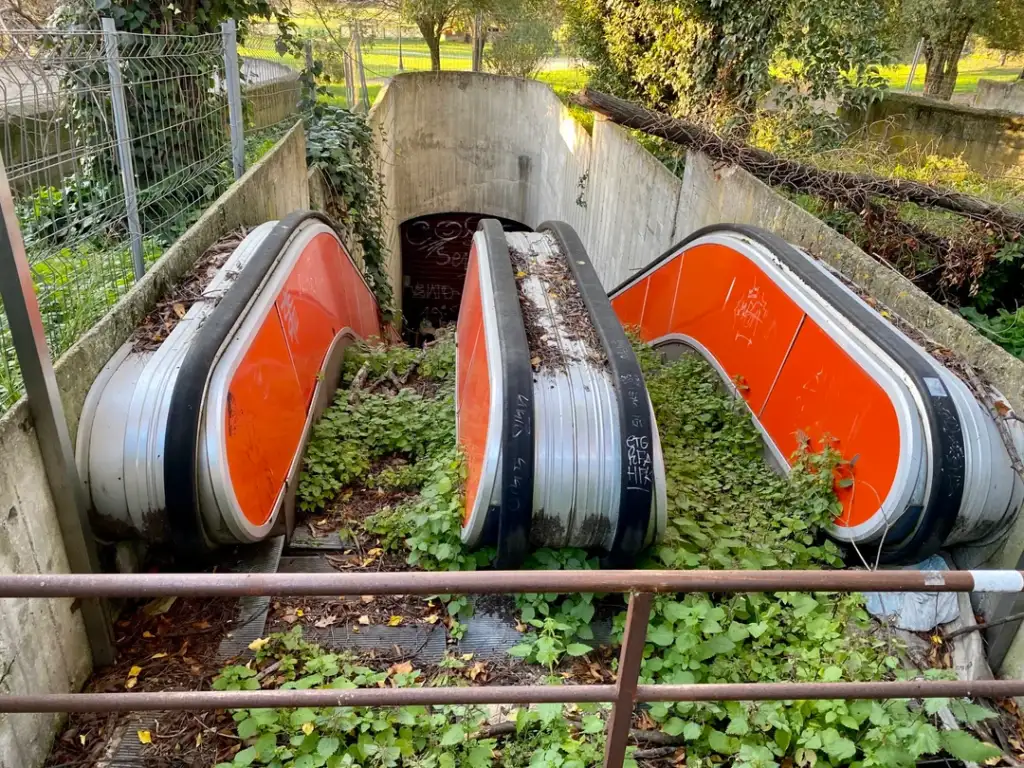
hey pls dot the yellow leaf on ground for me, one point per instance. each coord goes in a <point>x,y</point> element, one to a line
<point>401,669</point>
<point>130,682</point>
<point>147,634</point>
<point>145,737</point>
<point>81,738</point>
<point>134,671</point>
<point>394,621</point>
<point>467,656</point>
<point>258,643</point>
<point>199,739</point>
<point>431,619</point>
<point>158,656</point>
<point>179,310</point>
<point>299,612</point>
<point>364,620</point>
<point>307,728</point>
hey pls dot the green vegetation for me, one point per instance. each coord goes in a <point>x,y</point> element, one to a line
<point>972,68</point>
<point>409,737</point>
<point>716,476</point>
<point>566,82</point>
<point>339,144</point>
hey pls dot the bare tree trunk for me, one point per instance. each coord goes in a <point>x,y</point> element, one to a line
<point>942,60</point>
<point>1002,58</point>
<point>432,35</point>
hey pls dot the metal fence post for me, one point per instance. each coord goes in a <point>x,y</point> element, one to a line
<point>26,324</point>
<point>630,657</point>
<point>124,144</point>
<point>913,65</point>
<point>478,41</point>
<point>233,88</point>
<point>365,97</point>
<point>350,88</point>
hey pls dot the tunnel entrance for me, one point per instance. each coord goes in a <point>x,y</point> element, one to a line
<point>435,252</point>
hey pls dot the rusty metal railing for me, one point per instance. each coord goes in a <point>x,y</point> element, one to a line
<point>640,585</point>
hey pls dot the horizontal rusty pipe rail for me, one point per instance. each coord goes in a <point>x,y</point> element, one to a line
<point>499,582</point>
<point>640,584</point>
<point>129,701</point>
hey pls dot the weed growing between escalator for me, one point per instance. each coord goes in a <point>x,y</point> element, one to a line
<point>727,509</point>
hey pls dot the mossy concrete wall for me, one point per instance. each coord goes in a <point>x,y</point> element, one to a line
<point>43,648</point>
<point>990,141</point>
<point>1005,97</point>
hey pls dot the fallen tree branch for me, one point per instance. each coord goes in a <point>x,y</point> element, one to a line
<point>987,625</point>
<point>358,382</point>
<point>654,753</point>
<point>790,174</point>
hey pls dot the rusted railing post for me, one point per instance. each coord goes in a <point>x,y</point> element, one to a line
<point>630,656</point>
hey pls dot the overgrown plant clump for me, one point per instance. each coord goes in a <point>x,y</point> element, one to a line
<point>339,145</point>
<point>403,737</point>
<point>727,509</point>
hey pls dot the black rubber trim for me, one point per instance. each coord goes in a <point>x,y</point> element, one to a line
<point>912,540</point>
<point>181,443</point>
<point>516,493</point>
<point>635,417</point>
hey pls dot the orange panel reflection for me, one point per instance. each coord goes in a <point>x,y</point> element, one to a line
<point>823,392</point>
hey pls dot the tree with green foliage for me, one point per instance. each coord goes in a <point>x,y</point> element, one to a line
<point>525,36</point>
<point>713,58</point>
<point>1003,28</point>
<point>945,25</point>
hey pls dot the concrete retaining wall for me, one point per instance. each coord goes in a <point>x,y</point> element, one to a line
<point>989,141</point>
<point>1005,97</point>
<point>466,142</point>
<point>43,641</point>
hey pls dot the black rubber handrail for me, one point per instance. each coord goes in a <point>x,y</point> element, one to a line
<point>636,436</point>
<point>511,532</point>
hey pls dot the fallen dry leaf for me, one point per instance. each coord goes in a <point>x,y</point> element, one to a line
<point>326,621</point>
<point>82,738</point>
<point>400,669</point>
<point>147,634</point>
<point>467,656</point>
<point>145,737</point>
<point>367,598</point>
<point>179,310</point>
<point>158,656</point>
<point>476,670</point>
<point>258,643</point>
<point>394,621</point>
<point>290,618</point>
<point>431,619</point>
<point>307,728</point>
<point>364,620</point>
<point>159,606</point>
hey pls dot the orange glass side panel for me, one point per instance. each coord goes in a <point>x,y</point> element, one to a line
<point>473,384</point>
<point>312,307</point>
<point>264,420</point>
<point>736,311</point>
<point>661,295</point>
<point>629,305</point>
<point>822,391</point>
<point>272,389</point>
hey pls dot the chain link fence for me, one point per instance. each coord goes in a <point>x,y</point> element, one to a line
<point>114,144</point>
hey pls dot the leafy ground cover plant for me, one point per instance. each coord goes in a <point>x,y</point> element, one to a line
<point>727,509</point>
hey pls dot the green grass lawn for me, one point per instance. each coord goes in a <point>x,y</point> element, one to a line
<point>335,95</point>
<point>972,68</point>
